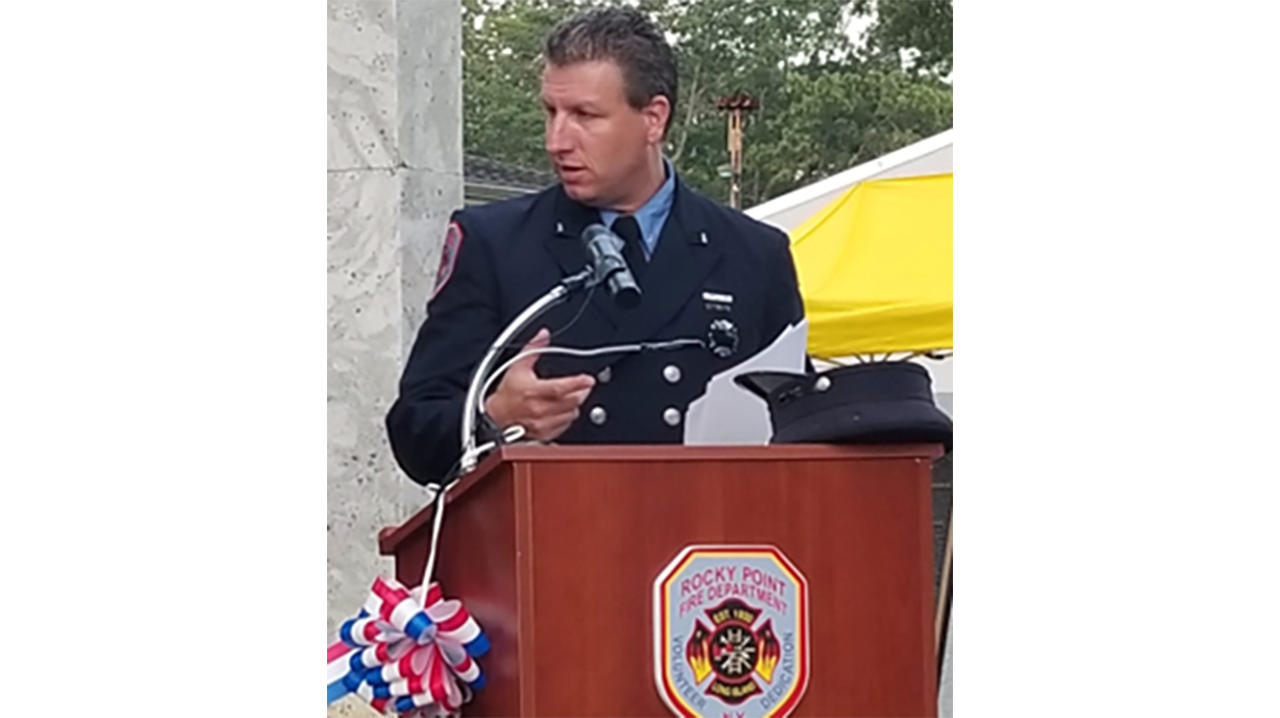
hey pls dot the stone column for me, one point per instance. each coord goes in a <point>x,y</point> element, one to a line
<point>394,175</point>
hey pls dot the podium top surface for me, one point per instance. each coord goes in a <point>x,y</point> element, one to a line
<point>663,452</point>
<point>391,537</point>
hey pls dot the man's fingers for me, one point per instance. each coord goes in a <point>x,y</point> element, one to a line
<point>559,405</point>
<point>548,428</point>
<point>552,389</point>
<point>539,340</point>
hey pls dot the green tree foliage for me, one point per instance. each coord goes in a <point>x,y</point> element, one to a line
<point>920,29</point>
<point>826,104</point>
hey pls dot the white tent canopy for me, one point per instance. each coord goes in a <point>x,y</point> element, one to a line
<point>929,156</point>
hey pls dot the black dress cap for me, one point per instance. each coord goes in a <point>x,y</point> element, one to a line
<point>872,403</point>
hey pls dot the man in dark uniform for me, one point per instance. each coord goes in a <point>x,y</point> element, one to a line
<point>706,271</point>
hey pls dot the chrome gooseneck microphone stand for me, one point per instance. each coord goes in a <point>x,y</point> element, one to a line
<point>599,271</point>
<point>471,453</point>
<point>472,409</point>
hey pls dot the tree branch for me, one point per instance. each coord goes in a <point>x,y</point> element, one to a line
<point>688,115</point>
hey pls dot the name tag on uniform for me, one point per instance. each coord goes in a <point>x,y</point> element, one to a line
<point>717,301</point>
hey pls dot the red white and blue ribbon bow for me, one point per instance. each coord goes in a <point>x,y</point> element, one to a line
<point>408,654</point>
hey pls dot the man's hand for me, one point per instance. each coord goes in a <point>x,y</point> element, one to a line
<point>544,407</point>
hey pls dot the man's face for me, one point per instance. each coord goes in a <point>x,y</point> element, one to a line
<point>598,143</point>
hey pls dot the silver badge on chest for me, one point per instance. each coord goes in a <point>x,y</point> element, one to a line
<point>723,338</point>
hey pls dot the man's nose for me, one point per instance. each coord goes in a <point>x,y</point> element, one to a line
<point>559,138</point>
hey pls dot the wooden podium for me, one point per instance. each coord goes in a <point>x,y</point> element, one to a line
<point>555,551</point>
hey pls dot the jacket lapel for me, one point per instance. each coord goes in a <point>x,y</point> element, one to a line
<point>684,257</point>
<point>565,244</point>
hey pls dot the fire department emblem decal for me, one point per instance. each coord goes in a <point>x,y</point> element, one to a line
<point>731,632</point>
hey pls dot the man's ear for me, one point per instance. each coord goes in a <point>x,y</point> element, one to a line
<point>655,116</point>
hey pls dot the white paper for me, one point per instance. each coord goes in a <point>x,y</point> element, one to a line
<point>728,413</point>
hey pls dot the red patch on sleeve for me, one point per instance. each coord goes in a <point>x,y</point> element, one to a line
<point>448,257</point>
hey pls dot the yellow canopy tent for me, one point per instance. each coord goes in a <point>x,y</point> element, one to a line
<point>875,269</point>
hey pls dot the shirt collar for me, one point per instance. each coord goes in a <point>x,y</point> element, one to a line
<point>653,214</point>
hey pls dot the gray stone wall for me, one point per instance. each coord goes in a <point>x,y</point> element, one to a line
<point>394,175</point>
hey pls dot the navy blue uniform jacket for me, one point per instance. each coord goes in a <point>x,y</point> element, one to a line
<point>711,262</point>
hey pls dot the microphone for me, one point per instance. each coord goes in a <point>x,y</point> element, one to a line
<point>604,248</point>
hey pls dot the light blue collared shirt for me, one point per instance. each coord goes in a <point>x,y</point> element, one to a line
<point>653,215</point>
